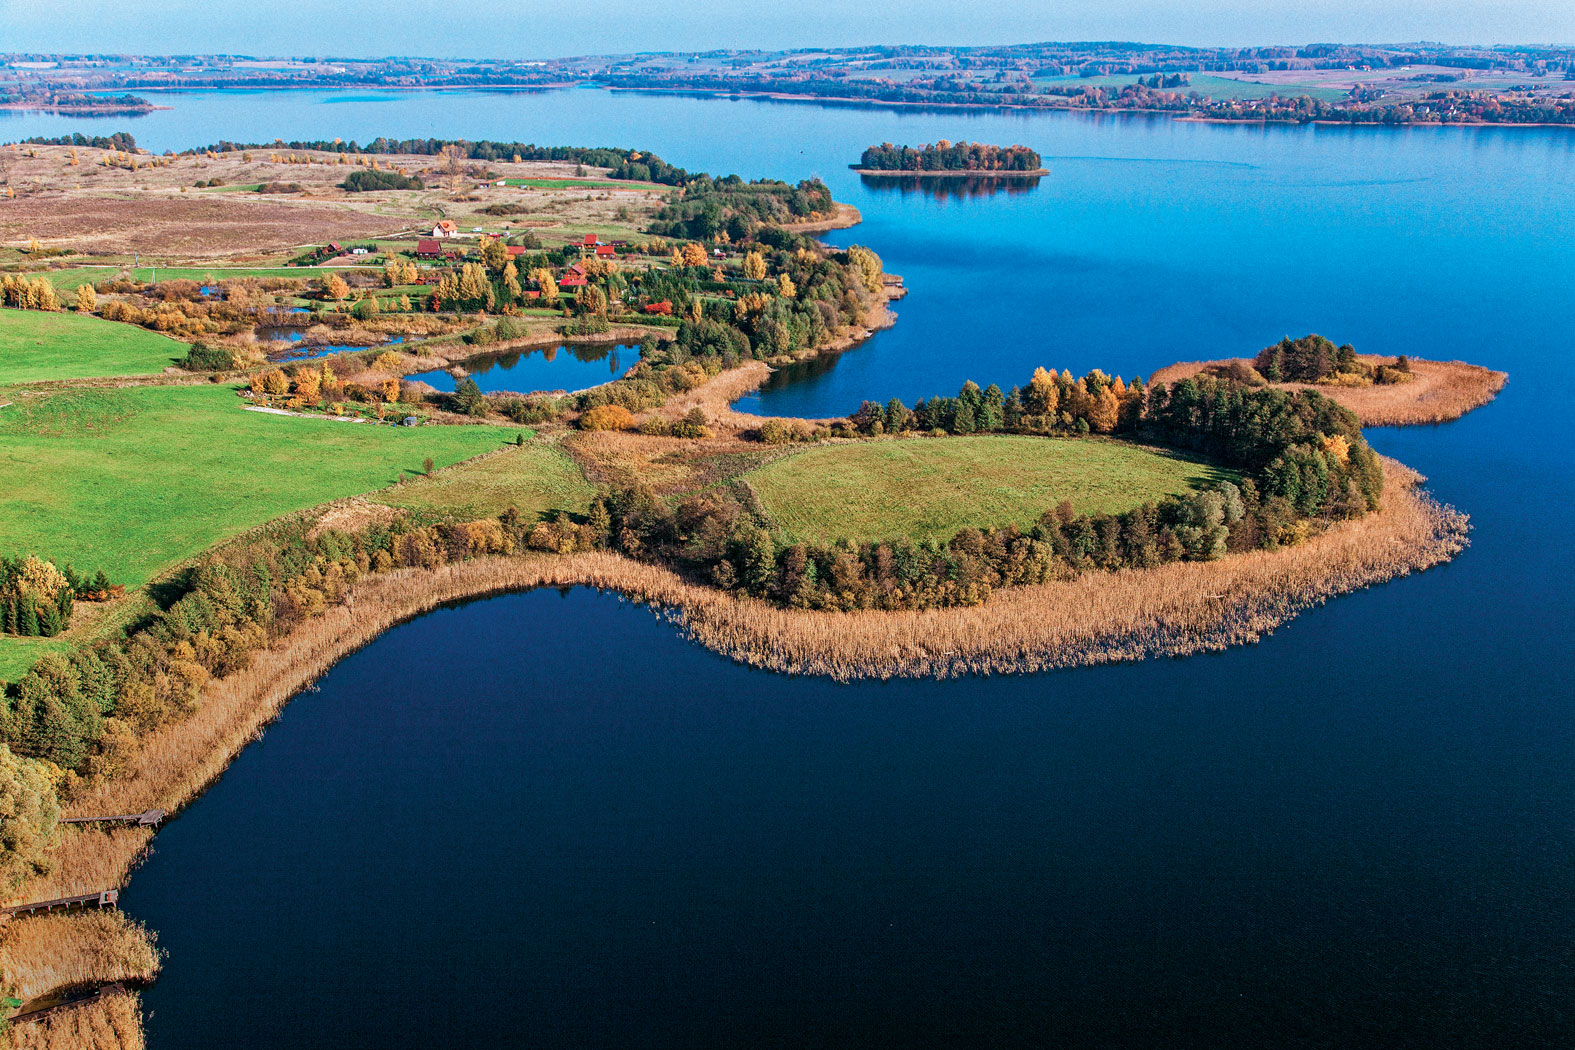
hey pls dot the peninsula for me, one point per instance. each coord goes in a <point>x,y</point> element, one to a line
<point>289,479</point>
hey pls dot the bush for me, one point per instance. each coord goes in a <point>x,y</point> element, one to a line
<point>607,417</point>
<point>205,358</point>
<point>366,179</point>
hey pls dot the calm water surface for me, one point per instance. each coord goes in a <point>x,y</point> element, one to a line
<point>572,366</point>
<point>544,820</point>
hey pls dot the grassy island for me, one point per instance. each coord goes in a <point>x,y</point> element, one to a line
<point>195,522</point>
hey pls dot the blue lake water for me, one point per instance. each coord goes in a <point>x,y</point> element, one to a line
<point>545,820</point>
<point>572,366</point>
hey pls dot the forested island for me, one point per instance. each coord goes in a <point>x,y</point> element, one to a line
<point>949,158</point>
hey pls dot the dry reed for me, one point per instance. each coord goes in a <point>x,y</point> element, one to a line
<point>111,1022</point>
<point>43,953</point>
<point>1441,390</point>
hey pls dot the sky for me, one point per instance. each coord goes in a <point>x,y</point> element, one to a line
<point>556,28</point>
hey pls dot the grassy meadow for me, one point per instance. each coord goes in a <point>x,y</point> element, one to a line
<point>134,480</point>
<point>533,479</point>
<point>35,346</point>
<point>928,488</point>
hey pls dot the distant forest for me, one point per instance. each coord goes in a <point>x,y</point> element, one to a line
<point>949,156</point>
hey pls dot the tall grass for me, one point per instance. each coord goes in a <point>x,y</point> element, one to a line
<point>42,953</point>
<point>113,1022</point>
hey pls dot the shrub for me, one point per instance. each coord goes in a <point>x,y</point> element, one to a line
<point>205,358</point>
<point>365,179</point>
<point>607,417</point>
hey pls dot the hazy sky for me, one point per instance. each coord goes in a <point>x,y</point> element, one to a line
<point>547,28</point>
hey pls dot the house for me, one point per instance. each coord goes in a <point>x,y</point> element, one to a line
<point>572,280</point>
<point>428,249</point>
<point>360,251</point>
<point>590,241</point>
<point>333,246</point>
<point>604,251</point>
<point>444,228</point>
<point>516,250</point>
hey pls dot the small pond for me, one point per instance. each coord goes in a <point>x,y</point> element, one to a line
<point>570,366</point>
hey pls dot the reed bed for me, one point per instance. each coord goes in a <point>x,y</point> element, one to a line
<point>112,1022</point>
<point>1440,392</point>
<point>43,953</point>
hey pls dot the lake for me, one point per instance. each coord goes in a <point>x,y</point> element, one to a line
<point>546,820</point>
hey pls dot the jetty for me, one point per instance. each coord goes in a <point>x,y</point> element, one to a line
<point>101,899</point>
<point>146,819</point>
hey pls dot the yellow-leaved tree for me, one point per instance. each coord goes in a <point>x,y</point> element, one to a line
<point>755,266</point>
<point>87,299</point>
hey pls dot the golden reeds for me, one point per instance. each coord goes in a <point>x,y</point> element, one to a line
<point>42,953</point>
<point>111,1022</point>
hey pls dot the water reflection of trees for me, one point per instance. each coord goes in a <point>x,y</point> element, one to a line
<point>952,187</point>
<point>616,355</point>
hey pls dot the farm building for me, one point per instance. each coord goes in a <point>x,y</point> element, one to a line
<point>428,249</point>
<point>444,228</point>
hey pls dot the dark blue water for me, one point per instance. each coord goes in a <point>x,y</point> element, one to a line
<point>572,366</point>
<point>547,821</point>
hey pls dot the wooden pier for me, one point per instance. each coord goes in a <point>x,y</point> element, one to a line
<point>70,1004</point>
<point>142,820</point>
<point>101,899</point>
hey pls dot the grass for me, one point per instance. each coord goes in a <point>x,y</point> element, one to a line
<point>67,280</point>
<point>533,479</point>
<point>1207,86</point>
<point>35,345</point>
<point>928,488</point>
<point>134,480</point>
<point>581,184</point>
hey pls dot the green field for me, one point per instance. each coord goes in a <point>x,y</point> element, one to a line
<point>1208,86</point>
<point>533,479</point>
<point>35,345</point>
<point>581,184</point>
<point>134,480</point>
<point>67,280</point>
<point>928,488</point>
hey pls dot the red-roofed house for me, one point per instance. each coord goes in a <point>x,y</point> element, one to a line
<point>428,249</point>
<point>444,228</point>
<point>516,250</point>
<point>590,240</point>
<point>572,280</point>
<point>605,250</point>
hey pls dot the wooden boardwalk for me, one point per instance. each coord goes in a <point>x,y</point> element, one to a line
<point>94,996</point>
<point>142,820</point>
<point>101,899</point>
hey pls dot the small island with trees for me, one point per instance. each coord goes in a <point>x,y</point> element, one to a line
<point>945,158</point>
